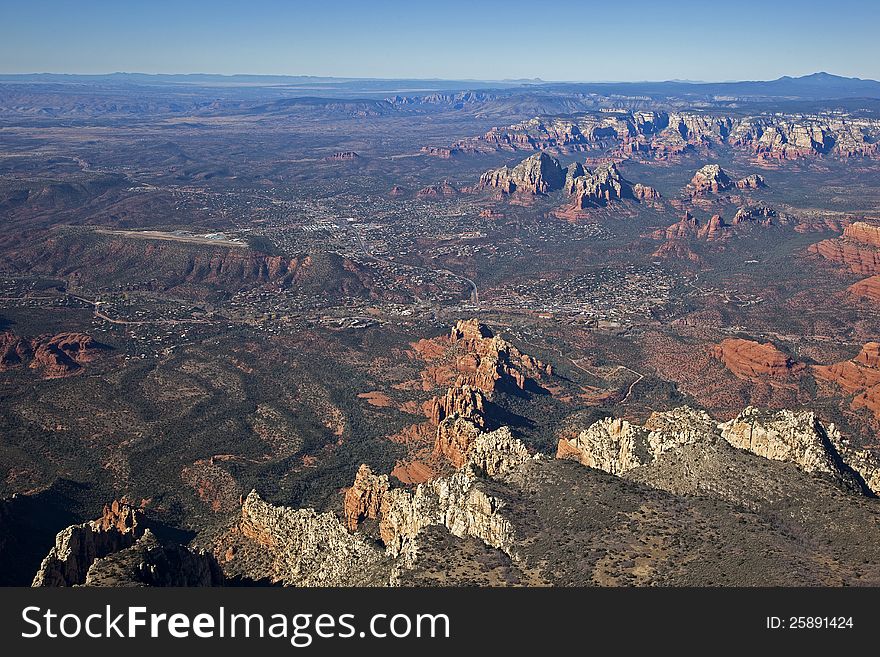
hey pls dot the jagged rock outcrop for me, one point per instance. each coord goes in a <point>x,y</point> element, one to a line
<point>792,436</point>
<point>459,502</point>
<point>573,171</point>
<point>537,174</point>
<point>507,517</point>
<point>617,446</point>
<point>444,190</point>
<point>710,179</point>
<point>664,135</point>
<point>53,356</point>
<point>613,445</point>
<point>397,190</point>
<point>794,137</point>
<point>752,181</point>
<point>644,193</point>
<point>150,563</point>
<point>77,547</point>
<point>464,401</point>
<point>364,498</point>
<point>761,214</point>
<point>714,229</point>
<point>602,186</point>
<point>864,232</point>
<point>685,228</point>
<point>344,156</point>
<point>797,437</point>
<point>751,360</point>
<point>301,547</point>
<point>439,151</point>
<point>864,462</point>
<point>498,454</point>
<point>14,351</point>
<point>488,362</point>
<point>455,436</point>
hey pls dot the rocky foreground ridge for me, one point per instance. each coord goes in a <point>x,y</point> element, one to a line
<point>769,497</point>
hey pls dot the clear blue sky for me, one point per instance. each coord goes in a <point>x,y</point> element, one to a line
<point>484,39</point>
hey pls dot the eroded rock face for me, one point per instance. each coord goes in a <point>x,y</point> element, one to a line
<point>612,445</point>
<point>645,193</point>
<point>149,563</point>
<point>537,174</point>
<point>444,190</point>
<point>793,436</point>
<point>864,462</point>
<point>858,249</point>
<point>77,547</point>
<point>458,502</point>
<point>617,446</point>
<point>602,186</point>
<point>488,362</point>
<point>868,288</point>
<point>52,356</point>
<point>364,498</point>
<point>714,229</point>
<point>753,181</point>
<point>463,401</point>
<point>859,376</point>
<point>751,360</point>
<point>710,179</point>
<point>761,214</point>
<point>455,436</point>
<point>787,138</point>
<point>300,547</point>
<point>863,232</point>
<point>14,351</point>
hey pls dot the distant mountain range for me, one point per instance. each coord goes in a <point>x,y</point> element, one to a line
<point>813,87</point>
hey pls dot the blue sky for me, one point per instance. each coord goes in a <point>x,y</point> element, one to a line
<point>483,39</point>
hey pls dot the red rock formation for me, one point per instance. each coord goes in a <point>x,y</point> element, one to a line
<point>645,193</point>
<point>63,354</point>
<point>751,360</point>
<point>469,329</point>
<point>869,288</point>
<point>443,190</point>
<point>118,515</point>
<point>754,181</point>
<point>14,351</point>
<point>364,499</point>
<point>537,174</point>
<point>439,151</point>
<point>858,249</point>
<point>762,214</point>
<point>397,190</point>
<point>713,230</point>
<point>863,232</point>
<point>683,229</point>
<point>53,356</point>
<point>489,213</point>
<point>599,187</point>
<point>711,178</point>
<point>455,435</point>
<point>463,401</point>
<point>859,376</point>
<point>676,249</point>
